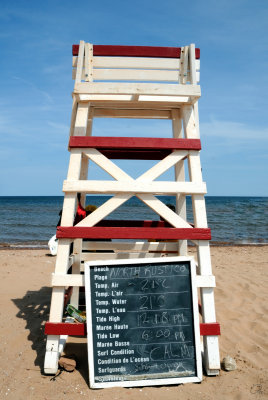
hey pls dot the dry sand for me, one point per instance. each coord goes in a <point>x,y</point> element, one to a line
<point>241,306</point>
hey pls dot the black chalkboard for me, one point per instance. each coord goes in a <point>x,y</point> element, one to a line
<point>141,322</point>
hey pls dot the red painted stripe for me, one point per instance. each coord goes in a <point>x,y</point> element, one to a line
<point>75,49</point>
<point>135,51</point>
<point>133,233</point>
<point>210,329</point>
<point>60,328</point>
<point>134,143</point>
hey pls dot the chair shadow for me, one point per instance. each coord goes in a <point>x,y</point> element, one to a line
<point>34,309</point>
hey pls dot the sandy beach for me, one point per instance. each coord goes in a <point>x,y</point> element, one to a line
<point>241,307</point>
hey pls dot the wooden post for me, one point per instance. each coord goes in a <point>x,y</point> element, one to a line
<point>179,176</point>
<point>78,243</point>
<point>211,355</point>
<point>63,253</point>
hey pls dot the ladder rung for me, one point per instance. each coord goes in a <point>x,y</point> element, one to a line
<point>134,143</point>
<point>113,232</point>
<point>111,187</point>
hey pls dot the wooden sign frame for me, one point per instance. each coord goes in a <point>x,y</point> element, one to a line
<point>120,380</point>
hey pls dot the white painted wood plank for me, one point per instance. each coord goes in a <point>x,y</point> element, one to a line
<point>121,256</point>
<point>131,113</point>
<point>62,261</point>
<point>194,79</point>
<point>135,62</point>
<point>137,88</point>
<point>63,338</point>
<point>105,97</point>
<point>211,355</point>
<point>54,348</point>
<point>143,101</point>
<point>78,169</point>
<point>71,261</point>
<point>68,280</point>
<point>77,249</point>
<point>199,211</point>
<point>57,303</point>
<point>132,247</point>
<point>190,128</point>
<point>91,116</point>
<point>162,101</point>
<point>73,114</point>
<point>107,165</point>
<point>192,64</point>
<point>80,62</point>
<point>196,114</point>
<point>52,355</point>
<point>165,212</point>
<point>179,177</point>
<point>211,344</point>
<point>168,99</point>
<point>204,259</point>
<point>80,126</point>
<point>133,187</point>
<point>195,170</point>
<point>68,209</point>
<point>83,176</point>
<point>184,64</point>
<point>177,131</point>
<point>88,62</point>
<point>86,70</point>
<point>203,281</point>
<point>162,166</point>
<point>104,210</point>
<point>135,75</point>
<point>74,169</point>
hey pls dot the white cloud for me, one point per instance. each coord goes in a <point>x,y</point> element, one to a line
<point>233,130</point>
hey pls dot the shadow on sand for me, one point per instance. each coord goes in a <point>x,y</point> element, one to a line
<point>34,309</point>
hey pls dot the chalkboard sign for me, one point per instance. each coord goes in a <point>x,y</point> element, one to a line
<point>142,322</point>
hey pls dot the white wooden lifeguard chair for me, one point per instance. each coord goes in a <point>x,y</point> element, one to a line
<point>133,82</point>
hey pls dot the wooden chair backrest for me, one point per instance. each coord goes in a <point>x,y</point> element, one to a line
<point>100,63</point>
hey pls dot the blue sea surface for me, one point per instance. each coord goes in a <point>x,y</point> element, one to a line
<point>31,221</point>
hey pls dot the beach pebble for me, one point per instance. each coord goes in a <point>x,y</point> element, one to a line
<point>68,363</point>
<point>228,363</point>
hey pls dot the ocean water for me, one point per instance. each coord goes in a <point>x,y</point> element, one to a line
<point>31,221</point>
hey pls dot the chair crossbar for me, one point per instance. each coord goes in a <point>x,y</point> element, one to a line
<point>135,51</point>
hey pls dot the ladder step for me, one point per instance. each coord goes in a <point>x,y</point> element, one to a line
<point>134,186</point>
<point>134,143</point>
<point>134,148</point>
<point>113,232</point>
<point>79,329</point>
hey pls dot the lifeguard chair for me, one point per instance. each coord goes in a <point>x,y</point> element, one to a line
<point>133,82</point>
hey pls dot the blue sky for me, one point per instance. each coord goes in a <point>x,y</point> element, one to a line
<point>36,85</point>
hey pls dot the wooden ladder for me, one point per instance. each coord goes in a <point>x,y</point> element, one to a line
<point>133,82</point>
